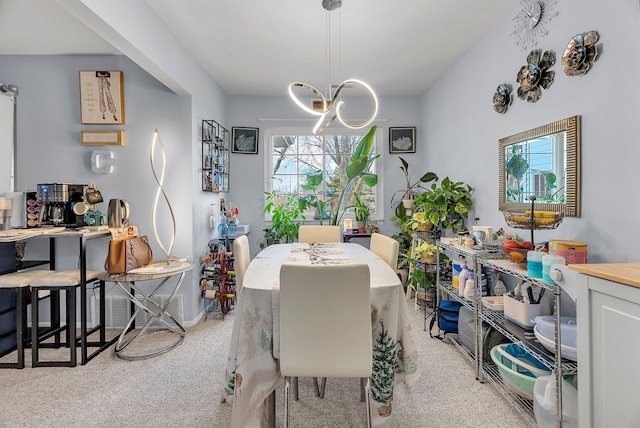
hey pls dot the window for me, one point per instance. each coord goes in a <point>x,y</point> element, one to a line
<point>292,154</point>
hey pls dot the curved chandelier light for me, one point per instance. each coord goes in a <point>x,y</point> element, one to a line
<point>333,104</point>
<point>329,105</point>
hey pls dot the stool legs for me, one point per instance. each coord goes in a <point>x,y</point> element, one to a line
<point>70,327</point>
<point>21,328</point>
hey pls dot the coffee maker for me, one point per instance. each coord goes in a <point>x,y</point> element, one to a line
<point>56,202</point>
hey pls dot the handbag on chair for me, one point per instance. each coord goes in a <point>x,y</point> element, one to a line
<point>128,253</point>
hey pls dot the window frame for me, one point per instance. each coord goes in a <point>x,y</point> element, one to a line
<point>377,215</point>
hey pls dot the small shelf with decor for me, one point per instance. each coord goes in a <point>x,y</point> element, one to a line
<point>215,157</point>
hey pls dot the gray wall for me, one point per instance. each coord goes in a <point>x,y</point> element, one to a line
<point>461,130</point>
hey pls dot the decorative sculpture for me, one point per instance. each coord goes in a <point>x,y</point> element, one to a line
<point>535,74</point>
<point>502,98</point>
<point>167,252</point>
<point>580,54</point>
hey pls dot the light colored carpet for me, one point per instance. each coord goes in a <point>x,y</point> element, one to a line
<point>182,389</point>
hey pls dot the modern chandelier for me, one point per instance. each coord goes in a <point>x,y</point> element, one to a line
<point>331,106</point>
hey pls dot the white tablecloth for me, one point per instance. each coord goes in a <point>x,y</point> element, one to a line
<point>252,370</point>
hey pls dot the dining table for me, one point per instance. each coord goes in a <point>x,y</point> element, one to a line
<point>252,374</point>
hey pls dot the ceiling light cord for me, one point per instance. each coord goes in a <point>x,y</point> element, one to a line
<point>328,102</point>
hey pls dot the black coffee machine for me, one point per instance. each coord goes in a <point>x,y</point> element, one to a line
<point>56,201</point>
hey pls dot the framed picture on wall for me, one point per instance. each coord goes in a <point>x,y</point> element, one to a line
<point>402,140</point>
<point>101,97</point>
<point>244,140</point>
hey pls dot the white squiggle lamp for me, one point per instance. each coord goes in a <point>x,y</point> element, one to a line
<point>167,252</point>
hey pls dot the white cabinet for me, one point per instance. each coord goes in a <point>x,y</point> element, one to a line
<point>608,318</point>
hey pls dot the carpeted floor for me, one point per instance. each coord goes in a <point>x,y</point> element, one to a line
<point>182,389</point>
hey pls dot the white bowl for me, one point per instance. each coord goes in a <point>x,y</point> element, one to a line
<point>568,331</point>
<point>568,352</point>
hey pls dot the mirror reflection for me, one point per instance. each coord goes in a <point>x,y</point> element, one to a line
<point>541,162</point>
<point>8,94</point>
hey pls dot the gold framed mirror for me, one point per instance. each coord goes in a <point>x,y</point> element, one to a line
<point>543,162</point>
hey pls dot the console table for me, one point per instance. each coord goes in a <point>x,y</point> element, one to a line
<point>348,236</point>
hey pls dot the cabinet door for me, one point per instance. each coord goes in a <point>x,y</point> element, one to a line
<point>615,348</point>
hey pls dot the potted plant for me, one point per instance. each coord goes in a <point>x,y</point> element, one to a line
<point>412,189</point>
<point>420,222</point>
<point>447,206</point>
<point>361,212</point>
<point>286,216</point>
<point>426,252</point>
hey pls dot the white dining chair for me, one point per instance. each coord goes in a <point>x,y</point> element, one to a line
<point>316,303</point>
<point>318,233</point>
<point>241,259</point>
<point>386,248</point>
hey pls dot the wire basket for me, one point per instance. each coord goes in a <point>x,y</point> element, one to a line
<point>533,219</point>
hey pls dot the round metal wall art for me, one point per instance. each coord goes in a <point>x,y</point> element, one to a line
<point>580,54</point>
<point>535,75</point>
<point>502,98</point>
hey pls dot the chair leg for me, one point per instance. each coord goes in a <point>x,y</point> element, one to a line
<point>294,384</point>
<point>362,392</point>
<point>320,389</point>
<point>367,400</point>
<point>287,379</point>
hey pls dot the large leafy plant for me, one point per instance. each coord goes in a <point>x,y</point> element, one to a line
<point>286,216</point>
<point>359,167</point>
<point>446,206</point>
<point>412,189</point>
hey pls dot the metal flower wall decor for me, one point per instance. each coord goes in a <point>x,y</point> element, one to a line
<point>580,54</point>
<point>535,75</point>
<point>502,98</point>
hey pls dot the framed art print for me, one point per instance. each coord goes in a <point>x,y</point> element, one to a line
<point>244,140</point>
<point>402,140</point>
<point>101,97</point>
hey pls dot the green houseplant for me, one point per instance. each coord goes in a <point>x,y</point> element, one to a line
<point>447,206</point>
<point>361,212</point>
<point>359,166</point>
<point>286,216</point>
<point>412,189</point>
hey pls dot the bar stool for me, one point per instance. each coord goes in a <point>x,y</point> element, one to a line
<point>19,282</point>
<point>67,281</point>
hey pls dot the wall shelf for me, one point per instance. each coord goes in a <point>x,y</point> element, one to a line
<point>215,157</point>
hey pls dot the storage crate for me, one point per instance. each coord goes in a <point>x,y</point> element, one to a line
<point>522,313</point>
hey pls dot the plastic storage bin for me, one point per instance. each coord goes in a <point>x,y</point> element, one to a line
<point>517,368</point>
<point>522,313</point>
<point>544,403</point>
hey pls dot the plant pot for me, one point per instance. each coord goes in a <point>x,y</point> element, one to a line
<point>426,297</point>
<point>408,203</point>
<point>425,227</point>
<point>403,274</point>
<point>431,259</point>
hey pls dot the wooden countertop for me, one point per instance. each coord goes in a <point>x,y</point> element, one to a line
<point>625,273</point>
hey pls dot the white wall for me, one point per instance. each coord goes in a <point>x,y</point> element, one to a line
<point>246,188</point>
<point>461,130</point>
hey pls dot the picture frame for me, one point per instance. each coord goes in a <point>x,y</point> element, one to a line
<point>103,138</point>
<point>402,140</point>
<point>244,140</point>
<point>102,97</point>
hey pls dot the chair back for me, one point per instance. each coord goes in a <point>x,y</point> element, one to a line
<point>241,259</point>
<point>325,321</point>
<point>386,248</point>
<point>318,233</point>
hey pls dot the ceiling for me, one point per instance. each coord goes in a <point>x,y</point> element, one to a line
<point>257,47</point>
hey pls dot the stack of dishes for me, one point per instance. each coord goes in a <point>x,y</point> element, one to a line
<point>545,332</point>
